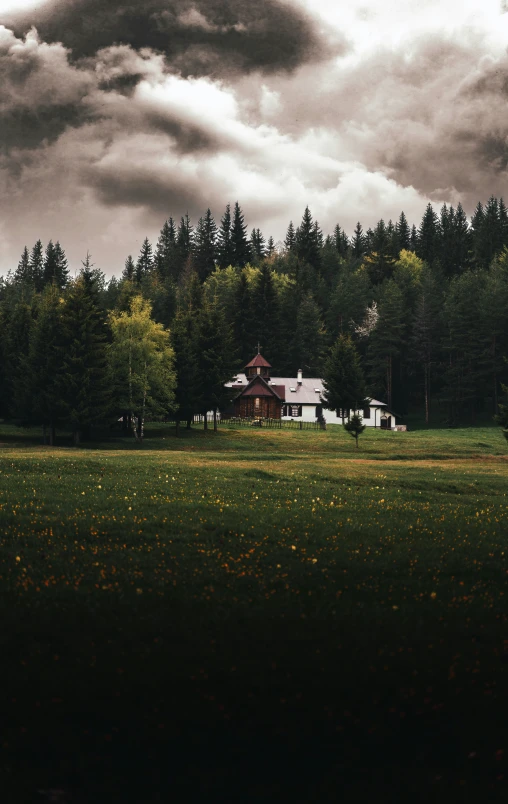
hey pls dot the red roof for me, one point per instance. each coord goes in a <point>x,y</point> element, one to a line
<point>259,360</point>
<point>259,387</point>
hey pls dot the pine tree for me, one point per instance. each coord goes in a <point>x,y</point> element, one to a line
<point>354,427</point>
<point>257,245</point>
<point>348,302</point>
<point>243,321</point>
<point>358,245</point>
<point>145,262</point>
<point>184,242</point>
<point>265,311</point>
<point>413,243</point>
<point>55,268</point>
<point>379,262</point>
<point>217,359</point>
<point>343,380</point>
<point>290,239</point>
<point>309,338</point>
<point>429,234</point>
<point>166,258</point>
<point>307,241</point>
<point>205,247</point>
<point>37,266</point>
<point>189,384</point>
<point>427,334</point>
<point>83,381</point>
<point>403,233</point>
<point>129,272</point>
<point>240,246</point>
<point>340,241</point>
<point>224,245</point>
<point>23,273</point>
<point>462,242</point>
<point>37,393</point>
<point>387,340</point>
<point>270,247</point>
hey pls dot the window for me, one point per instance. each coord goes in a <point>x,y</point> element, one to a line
<point>293,390</point>
<point>366,413</point>
<point>256,404</point>
<point>317,390</point>
<point>258,370</point>
<point>296,410</point>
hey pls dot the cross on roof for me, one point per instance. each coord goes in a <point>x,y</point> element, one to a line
<point>259,349</point>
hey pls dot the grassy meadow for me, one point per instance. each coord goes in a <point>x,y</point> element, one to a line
<point>256,615</point>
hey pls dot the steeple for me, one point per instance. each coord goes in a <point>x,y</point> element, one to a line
<point>258,367</point>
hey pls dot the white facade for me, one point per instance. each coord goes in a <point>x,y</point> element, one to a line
<point>303,402</point>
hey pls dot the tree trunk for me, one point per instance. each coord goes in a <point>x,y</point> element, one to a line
<point>494,398</point>
<point>356,439</point>
<point>177,428</point>
<point>76,437</point>
<point>52,435</point>
<point>143,407</point>
<point>205,422</point>
<point>189,423</point>
<point>389,382</point>
<point>426,379</point>
<point>215,420</point>
<point>134,425</point>
<point>44,434</point>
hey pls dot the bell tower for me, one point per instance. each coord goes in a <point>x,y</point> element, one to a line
<point>258,367</point>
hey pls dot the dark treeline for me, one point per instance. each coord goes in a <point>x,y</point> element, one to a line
<point>425,306</point>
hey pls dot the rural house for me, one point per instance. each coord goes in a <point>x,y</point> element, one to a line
<point>259,395</point>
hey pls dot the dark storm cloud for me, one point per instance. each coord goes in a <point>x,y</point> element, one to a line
<point>197,36</point>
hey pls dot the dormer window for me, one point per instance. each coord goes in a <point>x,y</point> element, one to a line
<point>317,390</point>
<point>293,390</point>
<point>258,370</point>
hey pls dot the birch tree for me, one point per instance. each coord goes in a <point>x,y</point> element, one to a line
<point>141,364</point>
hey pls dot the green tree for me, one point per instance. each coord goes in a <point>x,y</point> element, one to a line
<point>145,262</point>
<point>205,246</point>
<point>426,333</point>
<point>290,239</point>
<point>257,245</point>
<point>241,249</point>
<point>141,362</point>
<point>387,340</point>
<point>307,241</point>
<point>37,266</point>
<point>217,360</point>
<point>225,250</point>
<point>309,338</point>
<point>83,381</point>
<point>166,257</point>
<point>429,237</point>
<point>358,244</point>
<point>343,379</point>
<point>354,427</point>
<point>189,386</point>
<point>23,273</point>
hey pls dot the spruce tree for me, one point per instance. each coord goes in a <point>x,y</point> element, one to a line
<point>309,337</point>
<point>387,340</point>
<point>270,247</point>
<point>290,239</point>
<point>343,380</point>
<point>225,254</point>
<point>403,233</point>
<point>166,258</point>
<point>37,266</point>
<point>189,382</point>
<point>217,360</point>
<point>429,234</point>
<point>129,271</point>
<point>379,262</point>
<point>83,381</point>
<point>265,312</point>
<point>307,241</point>
<point>241,249</point>
<point>205,246</point>
<point>55,268</point>
<point>257,245</point>
<point>145,262</point>
<point>23,273</point>
<point>184,242</point>
<point>354,427</point>
<point>426,334</point>
<point>413,242</point>
<point>358,245</point>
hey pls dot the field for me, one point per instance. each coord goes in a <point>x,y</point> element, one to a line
<point>255,616</point>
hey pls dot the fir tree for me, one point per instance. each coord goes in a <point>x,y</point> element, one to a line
<point>241,249</point>
<point>217,359</point>
<point>189,386</point>
<point>309,338</point>
<point>429,237</point>
<point>55,269</point>
<point>403,233</point>
<point>270,247</point>
<point>205,247</point>
<point>358,245</point>
<point>379,262</point>
<point>166,258</point>
<point>257,244</point>
<point>225,254</point>
<point>343,380</point>
<point>426,334</point>
<point>387,340</point>
<point>129,271</point>
<point>307,241</point>
<point>37,266</point>
<point>145,262</point>
<point>83,382</point>
<point>23,273</point>
<point>354,427</point>
<point>184,242</point>
<point>290,239</point>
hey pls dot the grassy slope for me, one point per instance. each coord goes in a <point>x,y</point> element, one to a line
<point>251,588</point>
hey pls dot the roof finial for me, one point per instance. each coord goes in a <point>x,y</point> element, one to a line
<point>259,349</point>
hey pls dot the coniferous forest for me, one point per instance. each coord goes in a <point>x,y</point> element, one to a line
<point>424,304</point>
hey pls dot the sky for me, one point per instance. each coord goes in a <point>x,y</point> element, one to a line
<point>116,114</point>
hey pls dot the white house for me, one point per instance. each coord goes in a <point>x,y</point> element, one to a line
<point>260,394</point>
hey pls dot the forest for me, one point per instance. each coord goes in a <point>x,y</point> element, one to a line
<point>424,305</point>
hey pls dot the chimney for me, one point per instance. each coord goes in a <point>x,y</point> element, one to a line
<point>300,378</point>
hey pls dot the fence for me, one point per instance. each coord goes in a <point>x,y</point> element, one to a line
<point>277,424</point>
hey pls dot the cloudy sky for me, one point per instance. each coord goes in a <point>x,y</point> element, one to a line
<point>116,114</point>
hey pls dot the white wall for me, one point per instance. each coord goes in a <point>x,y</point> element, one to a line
<point>309,415</point>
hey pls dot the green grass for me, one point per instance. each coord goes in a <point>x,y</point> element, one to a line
<point>202,606</point>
